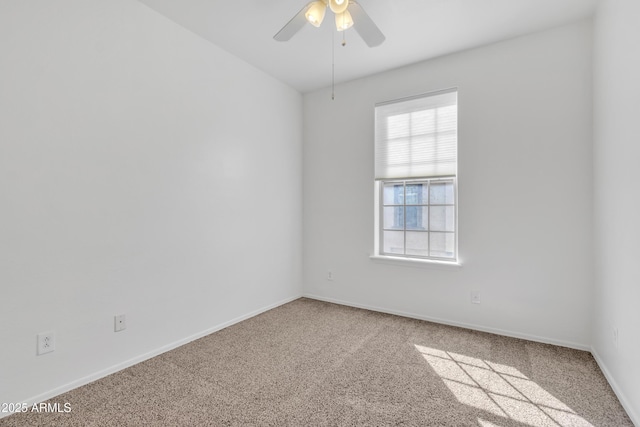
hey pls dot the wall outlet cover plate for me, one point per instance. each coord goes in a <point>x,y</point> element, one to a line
<point>46,342</point>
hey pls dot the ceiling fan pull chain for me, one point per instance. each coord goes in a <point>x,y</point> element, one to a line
<point>333,65</point>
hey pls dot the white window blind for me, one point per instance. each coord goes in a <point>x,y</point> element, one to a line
<point>417,137</point>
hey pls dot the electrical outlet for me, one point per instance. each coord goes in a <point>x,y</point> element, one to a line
<point>475,297</point>
<point>330,275</point>
<point>46,342</point>
<point>120,322</point>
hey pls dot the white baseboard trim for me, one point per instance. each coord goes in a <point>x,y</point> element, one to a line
<point>544,340</point>
<point>635,418</point>
<point>141,358</point>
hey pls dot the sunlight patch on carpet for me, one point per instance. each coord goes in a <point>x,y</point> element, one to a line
<point>500,390</point>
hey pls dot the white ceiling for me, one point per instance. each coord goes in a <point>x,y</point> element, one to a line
<point>415,30</point>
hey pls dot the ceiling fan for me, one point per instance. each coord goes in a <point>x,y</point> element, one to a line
<point>348,13</point>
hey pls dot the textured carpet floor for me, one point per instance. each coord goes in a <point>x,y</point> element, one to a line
<point>311,363</point>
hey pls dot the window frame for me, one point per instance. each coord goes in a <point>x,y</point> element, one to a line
<point>430,174</point>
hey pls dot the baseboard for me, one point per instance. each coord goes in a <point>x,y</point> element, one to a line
<point>635,418</point>
<point>512,334</point>
<point>141,358</point>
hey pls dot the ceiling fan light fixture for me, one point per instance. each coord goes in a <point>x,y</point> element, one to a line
<point>338,6</point>
<point>315,13</point>
<point>344,21</point>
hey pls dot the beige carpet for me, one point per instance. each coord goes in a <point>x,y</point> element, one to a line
<point>310,363</point>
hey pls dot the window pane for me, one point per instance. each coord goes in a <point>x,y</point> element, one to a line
<point>416,193</point>
<point>417,243</point>
<point>442,244</point>
<point>393,242</point>
<point>442,218</point>
<point>393,194</point>
<point>394,217</point>
<point>417,217</point>
<point>441,193</point>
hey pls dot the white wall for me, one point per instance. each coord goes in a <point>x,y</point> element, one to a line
<point>137,162</point>
<point>616,201</point>
<point>525,190</point>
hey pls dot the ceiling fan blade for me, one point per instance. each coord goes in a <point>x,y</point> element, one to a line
<point>369,32</point>
<point>293,26</point>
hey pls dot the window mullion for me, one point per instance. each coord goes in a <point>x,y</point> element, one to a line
<point>404,215</point>
<point>428,218</point>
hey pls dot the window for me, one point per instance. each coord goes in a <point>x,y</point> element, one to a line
<point>415,172</point>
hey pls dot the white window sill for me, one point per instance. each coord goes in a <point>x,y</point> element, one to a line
<point>413,262</point>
